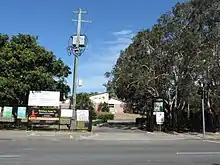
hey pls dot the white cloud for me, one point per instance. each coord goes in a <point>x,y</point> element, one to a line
<point>122,32</point>
<point>91,84</point>
<point>102,60</point>
<point>119,40</point>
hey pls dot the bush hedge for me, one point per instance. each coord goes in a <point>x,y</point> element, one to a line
<point>105,117</point>
<point>94,115</point>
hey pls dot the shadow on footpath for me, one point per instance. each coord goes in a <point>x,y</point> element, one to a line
<point>123,126</point>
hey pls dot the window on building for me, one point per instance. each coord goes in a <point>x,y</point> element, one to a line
<point>111,106</point>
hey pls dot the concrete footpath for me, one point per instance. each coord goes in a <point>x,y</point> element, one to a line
<point>208,136</point>
<point>42,135</point>
<point>109,136</point>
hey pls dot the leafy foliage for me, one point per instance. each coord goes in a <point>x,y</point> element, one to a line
<point>170,59</point>
<point>83,102</point>
<point>25,66</point>
<point>105,117</point>
<point>103,107</point>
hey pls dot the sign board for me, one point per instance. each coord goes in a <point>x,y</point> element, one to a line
<point>66,112</point>
<point>44,98</point>
<point>81,40</point>
<point>21,112</point>
<point>158,106</point>
<point>43,114</point>
<point>160,117</point>
<point>1,111</point>
<point>7,112</point>
<point>82,115</point>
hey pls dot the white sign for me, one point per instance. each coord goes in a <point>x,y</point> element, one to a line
<point>82,115</point>
<point>44,98</point>
<point>159,117</point>
<point>66,112</point>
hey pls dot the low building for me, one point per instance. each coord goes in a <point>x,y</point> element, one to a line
<point>65,104</point>
<point>115,105</point>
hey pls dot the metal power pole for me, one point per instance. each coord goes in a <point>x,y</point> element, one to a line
<point>203,111</point>
<point>75,69</point>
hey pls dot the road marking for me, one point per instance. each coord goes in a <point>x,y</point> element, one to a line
<point>212,141</point>
<point>6,139</point>
<point>9,156</point>
<point>33,135</point>
<point>166,139</point>
<point>88,137</point>
<point>198,153</point>
<point>47,135</point>
<point>29,149</point>
<point>41,135</point>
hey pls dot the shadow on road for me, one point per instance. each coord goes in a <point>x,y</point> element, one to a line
<point>117,126</point>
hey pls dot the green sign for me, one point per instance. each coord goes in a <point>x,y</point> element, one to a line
<point>158,106</point>
<point>7,112</point>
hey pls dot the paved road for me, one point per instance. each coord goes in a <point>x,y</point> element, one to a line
<point>87,152</point>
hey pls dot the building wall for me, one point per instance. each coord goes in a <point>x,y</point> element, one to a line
<point>101,98</point>
<point>119,108</point>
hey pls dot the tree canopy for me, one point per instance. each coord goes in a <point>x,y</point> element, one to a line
<point>169,60</point>
<point>25,66</point>
<point>83,101</point>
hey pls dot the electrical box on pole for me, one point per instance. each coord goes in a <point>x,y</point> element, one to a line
<point>80,83</point>
<point>82,42</point>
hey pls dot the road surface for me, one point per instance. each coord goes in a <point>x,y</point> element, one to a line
<point>90,152</point>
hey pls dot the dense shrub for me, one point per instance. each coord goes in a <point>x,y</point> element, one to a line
<point>94,115</point>
<point>105,117</point>
<point>103,107</point>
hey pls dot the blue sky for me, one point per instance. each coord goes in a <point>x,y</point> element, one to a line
<point>113,23</point>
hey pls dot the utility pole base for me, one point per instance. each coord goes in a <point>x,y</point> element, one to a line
<point>72,125</point>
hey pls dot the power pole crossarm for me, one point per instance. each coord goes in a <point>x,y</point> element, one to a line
<point>83,21</point>
<point>80,10</point>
